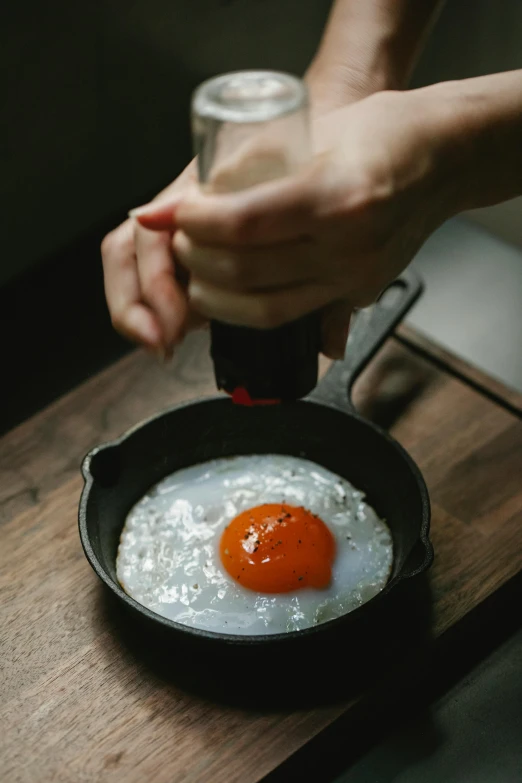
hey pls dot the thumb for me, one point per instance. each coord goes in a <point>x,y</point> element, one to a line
<point>158,215</point>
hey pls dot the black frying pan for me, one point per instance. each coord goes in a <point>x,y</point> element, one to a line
<point>324,428</point>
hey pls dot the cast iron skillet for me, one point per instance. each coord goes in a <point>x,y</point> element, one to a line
<point>324,428</point>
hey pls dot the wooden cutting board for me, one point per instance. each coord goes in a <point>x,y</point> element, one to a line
<point>76,706</point>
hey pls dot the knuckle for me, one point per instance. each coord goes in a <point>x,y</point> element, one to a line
<point>373,189</point>
<point>116,242</point>
<point>268,315</point>
<point>198,300</point>
<point>107,245</point>
<point>181,246</point>
<point>149,287</point>
<point>118,320</point>
<point>242,227</point>
<point>364,200</point>
<point>364,186</point>
<point>233,271</point>
<point>157,285</point>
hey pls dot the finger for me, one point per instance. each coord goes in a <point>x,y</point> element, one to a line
<point>139,325</point>
<point>274,212</point>
<point>129,316</point>
<point>250,269</point>
<point>156,217</point>
<point>261,310</point>
<point>159,288</point>
<point>159,214</point>
<point>335,325</point>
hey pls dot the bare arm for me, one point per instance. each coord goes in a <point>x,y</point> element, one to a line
<point>480,123</point>
<point>394,166</point>
<point>369,45</point>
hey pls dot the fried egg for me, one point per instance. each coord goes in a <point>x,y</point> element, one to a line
<point>255,545</point>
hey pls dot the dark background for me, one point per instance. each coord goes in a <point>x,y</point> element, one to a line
<point>96,121</point>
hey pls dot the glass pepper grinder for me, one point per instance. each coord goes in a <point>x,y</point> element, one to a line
<point>250,127</point>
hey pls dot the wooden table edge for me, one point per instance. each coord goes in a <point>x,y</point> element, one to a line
<point>499,393</point>
<point>486,384</point>
<point>431,352</point>
<point>421,669</point>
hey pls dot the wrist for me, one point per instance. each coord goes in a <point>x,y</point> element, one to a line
<point>439,112</point>
<point>479,125</point>
<point>333,85</point>
<point>368,47</point>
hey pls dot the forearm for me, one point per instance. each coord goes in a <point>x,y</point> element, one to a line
<point>480,123</point>
<point>369,45</point>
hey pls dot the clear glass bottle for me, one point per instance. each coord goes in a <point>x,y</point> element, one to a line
<point>250,127</point>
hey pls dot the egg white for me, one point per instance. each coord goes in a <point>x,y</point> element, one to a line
<point>168,557</point>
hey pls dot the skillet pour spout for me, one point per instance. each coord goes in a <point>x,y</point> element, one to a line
<point>324,428</point>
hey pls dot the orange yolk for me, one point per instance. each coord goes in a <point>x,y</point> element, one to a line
<point>276,548</point>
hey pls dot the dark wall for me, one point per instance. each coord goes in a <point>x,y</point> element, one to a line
<point>97,100</point>
<point>97,104</point>
<point>95,120</point>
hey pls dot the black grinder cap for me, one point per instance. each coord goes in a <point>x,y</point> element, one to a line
<point>263,366</point>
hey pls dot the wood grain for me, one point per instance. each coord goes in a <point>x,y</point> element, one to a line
<point>493,388</point>
<point>76,706</point>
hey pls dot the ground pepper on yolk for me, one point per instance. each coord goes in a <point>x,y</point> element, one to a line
<point>277,548</point>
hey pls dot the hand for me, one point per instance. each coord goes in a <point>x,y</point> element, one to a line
<point>333,236</point>
<point>145,289</point>
<point>145,285</point>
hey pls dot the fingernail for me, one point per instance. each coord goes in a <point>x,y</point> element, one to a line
<point>137,211</point>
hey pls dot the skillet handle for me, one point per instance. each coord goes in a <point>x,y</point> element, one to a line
<point>419,559</point>
<point>371,328</point>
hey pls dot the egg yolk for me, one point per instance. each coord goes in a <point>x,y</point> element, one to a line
<point>276,548</point>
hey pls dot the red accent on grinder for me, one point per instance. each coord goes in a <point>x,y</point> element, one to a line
<point>240,396</point>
